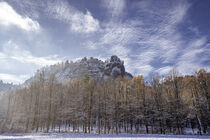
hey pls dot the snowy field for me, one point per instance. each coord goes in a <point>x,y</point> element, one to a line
<point>77,136</point>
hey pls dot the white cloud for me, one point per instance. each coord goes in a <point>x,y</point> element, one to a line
<point>84,23</point>
<point>79,22</point>
<point>178,13</point>
<point>90,45</point>
<point>114,7</point>
<point>193,56</point>
<point>120,51</point>
<point>119,33</point>
<point>115,39</point>
<point>164,70</point>
<point>13,51</point>
<point>198,42</point>
<point>153,34</point>
<point>9,17</point>
<point>146,56</point>
<point>18,64</point>
<point>144,70</point>
<point>11,78</point>
<point>194,30</point>
<point>159,44</point>
<point>190,60</point>
<point>150,41</point>
<point>160,41</point>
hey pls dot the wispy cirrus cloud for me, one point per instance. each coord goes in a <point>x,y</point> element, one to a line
<point>193,56</point>
<point>114,7</point>
<point>164,70</point>
<point>114,39</point>
<point>151,42</point>
<point>10,17</point>
<point>79,22</point>
<point>149,39</point>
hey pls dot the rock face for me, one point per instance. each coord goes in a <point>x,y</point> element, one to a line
<point>93,67</point>
<point>115,67</point>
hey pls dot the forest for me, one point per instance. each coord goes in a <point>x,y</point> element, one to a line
<point>164,105</point>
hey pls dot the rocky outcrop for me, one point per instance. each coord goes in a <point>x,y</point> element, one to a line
<point>93,67</point>
<point>114,67</point>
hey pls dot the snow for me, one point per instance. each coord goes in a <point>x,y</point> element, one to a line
<point>93,67</point>
<point>66,136</point>
<point>5,86</point>
<point>116,70</point>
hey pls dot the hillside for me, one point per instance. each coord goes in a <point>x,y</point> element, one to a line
<point>93,67</point>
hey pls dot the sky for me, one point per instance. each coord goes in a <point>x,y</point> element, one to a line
<point>151,36</point>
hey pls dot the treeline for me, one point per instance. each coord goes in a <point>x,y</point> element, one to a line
<point>169,105</point>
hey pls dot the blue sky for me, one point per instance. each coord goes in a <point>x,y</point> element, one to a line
<point>151,36</point>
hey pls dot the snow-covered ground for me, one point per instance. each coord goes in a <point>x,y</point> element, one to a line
<point>75,136</point>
